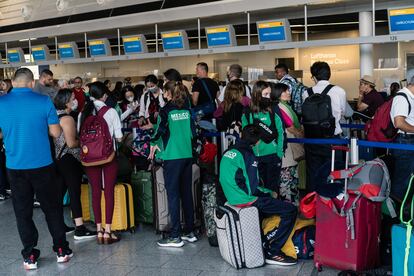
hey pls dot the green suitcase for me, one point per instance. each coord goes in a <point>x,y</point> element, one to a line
<point>141,182</point>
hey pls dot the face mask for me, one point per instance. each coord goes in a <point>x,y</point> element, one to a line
<point>130,99</point>
<point>152,89</point>
<point>265,103</point>
<point>74,105</point>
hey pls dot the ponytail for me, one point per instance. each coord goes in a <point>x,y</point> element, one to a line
<point>97,90</point>
<point>179,92</point>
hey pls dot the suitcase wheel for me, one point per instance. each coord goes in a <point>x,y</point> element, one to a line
<point>132,230</point>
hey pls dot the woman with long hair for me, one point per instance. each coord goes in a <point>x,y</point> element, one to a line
<point>268,155</point>
<point>175,131</point>
<point>103,175</point>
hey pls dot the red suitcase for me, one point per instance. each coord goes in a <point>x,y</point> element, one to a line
<point>347,239</point>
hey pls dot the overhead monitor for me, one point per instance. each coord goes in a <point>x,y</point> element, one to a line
<point>100,47</point>
<point>68,50</point>
<point>40,53</point>
<point>277,30</point>
<point>135,44</point>
<point>15,55</point>
<point>174,41</point>
<point>221,36</point>
<point>401,19</point>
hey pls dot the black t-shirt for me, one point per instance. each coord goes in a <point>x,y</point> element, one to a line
<point>203,96</point>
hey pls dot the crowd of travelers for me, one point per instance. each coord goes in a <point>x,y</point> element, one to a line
<point>41,127</point>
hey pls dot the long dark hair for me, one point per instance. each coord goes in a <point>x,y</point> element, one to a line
<point>97,90</point>
<point>276,91</point>
<point>62,98</point>
<point>179,92</point>
<point>258,88</point>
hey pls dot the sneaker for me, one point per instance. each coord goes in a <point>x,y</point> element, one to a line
<point>36,203</point>
<point>4,197</point>
<point>64,255</point>
<point>82,233</point>
<point>190,237</point>
<point>8,191</point>
<point>69,229</point>
<point>30,263</point>
<point>281,259</point>
<point>171,242</point>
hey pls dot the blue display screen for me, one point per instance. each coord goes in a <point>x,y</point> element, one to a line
<point>131,47</point>
<point>272,34</point>
<point>13,57</point>
<point>39,55</point>
<point>218,39</point>
<point>66,52</point>
<point>402,22</point>
<point>97,49</point>
<point>173,43</point>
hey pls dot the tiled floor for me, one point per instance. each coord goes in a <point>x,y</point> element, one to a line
<point>136,254</point>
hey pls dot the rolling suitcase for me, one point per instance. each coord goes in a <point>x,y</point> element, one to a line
<point>141,182</point>
<point>239,236</point>
<point>403,237</point>
<point>86,202</point>
<point>347,230</point>
<point>123,218</point>
<point>161,213</point>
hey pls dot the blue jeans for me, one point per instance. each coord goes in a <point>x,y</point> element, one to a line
<point>178,177</point>
<point>404,167</point>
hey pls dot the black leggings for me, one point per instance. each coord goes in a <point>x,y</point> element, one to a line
<point>70,173</point>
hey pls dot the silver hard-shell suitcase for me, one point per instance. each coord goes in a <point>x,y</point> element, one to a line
<point>239,236</point>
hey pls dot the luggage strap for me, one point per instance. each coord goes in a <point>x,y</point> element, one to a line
<point>350,221</point>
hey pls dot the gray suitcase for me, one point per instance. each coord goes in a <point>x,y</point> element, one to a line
<point>161,212</point>
<point>239,236</point>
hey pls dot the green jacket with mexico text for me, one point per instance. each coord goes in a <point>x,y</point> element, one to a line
<point>239,176</point>
<point>174,133</point>
<point>275,147</point>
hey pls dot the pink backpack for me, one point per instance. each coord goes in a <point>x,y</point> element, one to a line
<point>95,140</point>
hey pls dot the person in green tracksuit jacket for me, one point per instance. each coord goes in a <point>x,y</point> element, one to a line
<point>173,139</point>
<point>240,182</point>
<point>269,155</point>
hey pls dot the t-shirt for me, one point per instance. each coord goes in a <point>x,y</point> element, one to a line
<point>80,97</point>
<point>25,117</point>
<point>400,107</point>
<point>203,96</point>
<point>374,100</point>
<point>45,90</point>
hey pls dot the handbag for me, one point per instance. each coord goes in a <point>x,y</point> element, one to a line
<point>298,151</point>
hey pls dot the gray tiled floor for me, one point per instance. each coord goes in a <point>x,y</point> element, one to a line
<point>136,254</point>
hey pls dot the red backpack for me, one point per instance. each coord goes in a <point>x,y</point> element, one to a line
<point>381,127</point>
<point>96,141</point>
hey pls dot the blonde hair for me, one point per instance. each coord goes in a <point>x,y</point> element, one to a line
<point>233,94</point>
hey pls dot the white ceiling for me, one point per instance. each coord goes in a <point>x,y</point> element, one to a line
<point>11,10</point>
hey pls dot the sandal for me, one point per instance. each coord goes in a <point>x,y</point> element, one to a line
<point>111,239</point>
<point>100,239</point>
<point>281,259</point>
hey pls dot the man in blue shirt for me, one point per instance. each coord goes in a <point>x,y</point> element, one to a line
<point>26,121</point>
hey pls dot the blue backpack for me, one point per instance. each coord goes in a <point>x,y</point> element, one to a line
<point>297,94</point>
<point>304,241</point>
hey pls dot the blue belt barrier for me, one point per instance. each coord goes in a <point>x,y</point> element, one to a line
<point>332,141</point>
<point>371,144</point>
<point>354,126</point>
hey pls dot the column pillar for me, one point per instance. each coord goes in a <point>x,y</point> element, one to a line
<point>366,59</point>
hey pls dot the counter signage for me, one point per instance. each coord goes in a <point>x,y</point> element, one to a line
<point>172,41</point>
<point>13,55</point>
<point>271,31</point>
<point>66,51</point>
<point>97,48</point>
<point>132,45</point>
<point>401,20</point>
<point>219,36</point>
<point>38,53</point>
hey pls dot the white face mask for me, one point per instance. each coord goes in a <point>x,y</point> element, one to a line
<point>74,105</point>
<point>130,99</point>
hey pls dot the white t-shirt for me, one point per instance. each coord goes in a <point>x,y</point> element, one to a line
<point>247,88</point>
<point>338,101</point>
<point>400,107</point>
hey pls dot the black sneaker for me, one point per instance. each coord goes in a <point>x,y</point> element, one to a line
<point>69,229</point>
<point>8,191</point>
<point>82,233</point>
<point>36,203</point>
<point>171,242</point>
<point>280,259</point>
<point>190,237</point>
<point>64,255</point>
<point>30,263</point>
<point>4,196</point>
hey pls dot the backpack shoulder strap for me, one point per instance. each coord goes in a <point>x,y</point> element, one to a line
<point>408,101</point>
<point>103,110</point>
<point>207,90</point>
<point>327,89</point>
<point>272,120</point>
<point>310,91</point>
<point>247,113</point>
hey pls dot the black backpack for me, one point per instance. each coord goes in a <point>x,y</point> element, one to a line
<point>317,117</point>
<point>268,133</point>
